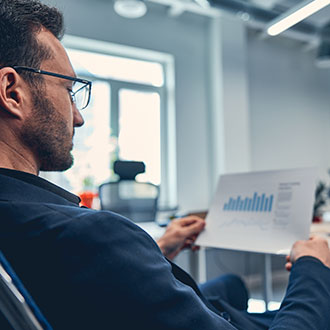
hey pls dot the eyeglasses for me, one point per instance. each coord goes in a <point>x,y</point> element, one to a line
<point>81,89</point>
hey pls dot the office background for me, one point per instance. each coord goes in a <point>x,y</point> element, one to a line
<point>242,101</point>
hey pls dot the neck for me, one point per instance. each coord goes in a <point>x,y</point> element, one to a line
<point>17,159</point>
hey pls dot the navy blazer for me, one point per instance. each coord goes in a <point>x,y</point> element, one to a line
<point>90,269</point>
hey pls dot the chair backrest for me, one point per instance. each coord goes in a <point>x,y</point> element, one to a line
<point>128,169</point>
<point>16,304</point>
<point>135,200</point>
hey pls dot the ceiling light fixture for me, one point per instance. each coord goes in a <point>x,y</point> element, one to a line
<point>130,8</point>
<point>295,15</point>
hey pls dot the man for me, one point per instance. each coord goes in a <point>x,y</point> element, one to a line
<point>91,269</point>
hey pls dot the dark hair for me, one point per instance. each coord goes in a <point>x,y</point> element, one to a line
<point>20,21</point>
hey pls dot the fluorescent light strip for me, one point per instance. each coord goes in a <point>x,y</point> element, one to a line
<point>297,16</point>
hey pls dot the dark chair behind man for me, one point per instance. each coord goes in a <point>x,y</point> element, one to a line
<point>135,200</point>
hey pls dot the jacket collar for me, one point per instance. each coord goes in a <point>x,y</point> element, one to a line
<point>26,187</point>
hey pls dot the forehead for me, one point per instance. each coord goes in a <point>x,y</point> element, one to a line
<point>59,62</point>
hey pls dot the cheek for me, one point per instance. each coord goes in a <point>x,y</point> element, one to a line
<point>60,99</point>
<point>66,109</point>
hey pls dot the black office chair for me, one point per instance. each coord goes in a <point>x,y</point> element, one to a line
<point>135,200</point>
<point>16,305</point>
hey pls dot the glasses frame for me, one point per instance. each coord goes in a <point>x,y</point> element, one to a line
<point>53,74</point>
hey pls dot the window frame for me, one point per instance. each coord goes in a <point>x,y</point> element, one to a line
<point>168,192</point>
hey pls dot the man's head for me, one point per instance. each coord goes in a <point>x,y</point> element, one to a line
<point>37,115</point>
<point>20,22</point>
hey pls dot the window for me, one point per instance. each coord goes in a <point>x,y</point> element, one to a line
<point>118,68</point>
<point>92,143</point>
<point>131,116</point>
<point>139,131</point>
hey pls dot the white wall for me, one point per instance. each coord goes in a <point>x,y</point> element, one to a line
<point>229,123</point>
<point>272,84</point>
<point>289,106</point>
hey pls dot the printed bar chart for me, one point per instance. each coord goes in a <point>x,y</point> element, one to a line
<point>256,203</point>
<point>263,211</point>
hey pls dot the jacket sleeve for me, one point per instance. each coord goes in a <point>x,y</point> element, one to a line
<point>306,305</point>
<point>116,277</point>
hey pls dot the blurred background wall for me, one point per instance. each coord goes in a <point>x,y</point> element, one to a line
<point>243,102</point>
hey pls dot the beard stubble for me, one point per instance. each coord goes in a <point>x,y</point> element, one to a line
<point>46,133</point>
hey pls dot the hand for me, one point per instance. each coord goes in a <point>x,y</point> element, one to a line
<point>180,234</point>
<point>315,247</point>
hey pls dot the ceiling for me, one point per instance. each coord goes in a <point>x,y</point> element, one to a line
<point>319,19</point>
<point>258,14</point>
<point>262,12</point>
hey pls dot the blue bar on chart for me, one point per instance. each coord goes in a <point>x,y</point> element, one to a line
<point>249,208</point>
<point>238,203</point>
<point>256,203</point>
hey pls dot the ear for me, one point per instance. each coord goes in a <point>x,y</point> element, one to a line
<point>13,92</point>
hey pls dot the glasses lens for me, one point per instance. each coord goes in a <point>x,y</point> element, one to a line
<point>82,95</point>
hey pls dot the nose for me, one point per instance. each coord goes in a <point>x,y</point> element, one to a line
<point>78,120</point>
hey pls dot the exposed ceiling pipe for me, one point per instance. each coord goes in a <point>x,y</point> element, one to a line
<point>189,6</point>
<point>325,33</point>
<point>260,18</point>
<point>254,16</point>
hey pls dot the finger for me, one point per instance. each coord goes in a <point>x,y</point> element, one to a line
<point>288,266</point>
<point>287,258</point>
<point>190,220</point>
<point>319,239</point>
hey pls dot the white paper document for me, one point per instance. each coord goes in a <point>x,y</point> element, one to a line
<point>261,211</point>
